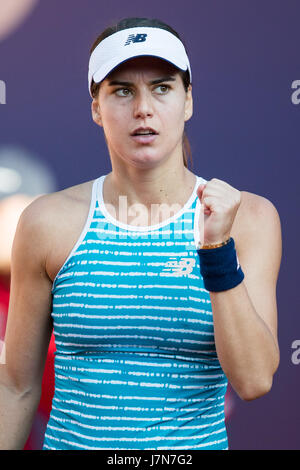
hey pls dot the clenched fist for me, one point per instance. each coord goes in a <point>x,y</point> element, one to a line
<point>219,205</point>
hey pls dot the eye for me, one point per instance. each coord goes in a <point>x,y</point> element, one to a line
<point>125,90</point>
<point>164,88</point>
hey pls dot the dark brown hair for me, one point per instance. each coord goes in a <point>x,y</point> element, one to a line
<point>133,23</point>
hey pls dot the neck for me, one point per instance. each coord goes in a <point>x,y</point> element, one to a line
<point>170,182</point>
<point>152,188</point>
<point>156,194</point>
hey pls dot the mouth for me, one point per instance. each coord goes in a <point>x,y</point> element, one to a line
<point>144,139</point>
<point>144,135</point>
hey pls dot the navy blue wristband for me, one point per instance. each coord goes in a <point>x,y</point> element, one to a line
<point>220,268</point>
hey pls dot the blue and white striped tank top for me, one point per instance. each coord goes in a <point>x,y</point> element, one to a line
<point>135,364</point>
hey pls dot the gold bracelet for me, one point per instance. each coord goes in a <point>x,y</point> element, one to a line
<point>217,245</point>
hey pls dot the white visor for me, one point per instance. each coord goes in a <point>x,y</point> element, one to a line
<point>134,42</point>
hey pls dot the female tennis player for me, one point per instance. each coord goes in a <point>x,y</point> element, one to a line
<point>160,284</point>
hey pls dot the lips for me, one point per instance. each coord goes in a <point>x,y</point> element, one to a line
<point>144,131</point>
<point>144,139</point>
<point>144,135</point>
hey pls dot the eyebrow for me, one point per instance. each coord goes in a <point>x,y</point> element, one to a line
<point>152,82</point>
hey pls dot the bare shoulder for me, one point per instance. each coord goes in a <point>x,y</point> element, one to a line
<point>254,202</point>
<point>52,221</point>
<point>49,209</point>
<point>257,216</point>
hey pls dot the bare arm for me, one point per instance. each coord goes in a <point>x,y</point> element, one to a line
<point>245,317</point>
<point>29,328</point>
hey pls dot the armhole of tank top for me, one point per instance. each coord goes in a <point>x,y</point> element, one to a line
<point>197,216</point>
<point>83,232</point>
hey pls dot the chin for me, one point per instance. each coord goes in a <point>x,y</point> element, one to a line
<point>146,165</point>
<point>146,160</point>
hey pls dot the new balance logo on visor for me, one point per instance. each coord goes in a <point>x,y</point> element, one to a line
<point>135,38</point>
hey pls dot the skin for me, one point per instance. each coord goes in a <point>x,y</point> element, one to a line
<point>245,317</point>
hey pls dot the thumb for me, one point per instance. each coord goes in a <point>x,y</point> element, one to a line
<point>200,190</point>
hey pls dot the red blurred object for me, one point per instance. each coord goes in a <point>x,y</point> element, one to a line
<point>4,300</point>
<point>36,437</point>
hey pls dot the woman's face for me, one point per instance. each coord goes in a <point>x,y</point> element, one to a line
<point>143,92</point>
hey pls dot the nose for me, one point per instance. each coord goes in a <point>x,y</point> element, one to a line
<point>143,106</point>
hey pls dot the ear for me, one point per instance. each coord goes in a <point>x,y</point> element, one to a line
<point>188,107</point>
<point>96,112</point>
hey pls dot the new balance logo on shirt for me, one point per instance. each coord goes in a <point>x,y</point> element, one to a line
<point>180,267</point>
<point>135,38</point>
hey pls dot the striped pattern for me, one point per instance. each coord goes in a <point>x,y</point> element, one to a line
<point>136,364</point>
